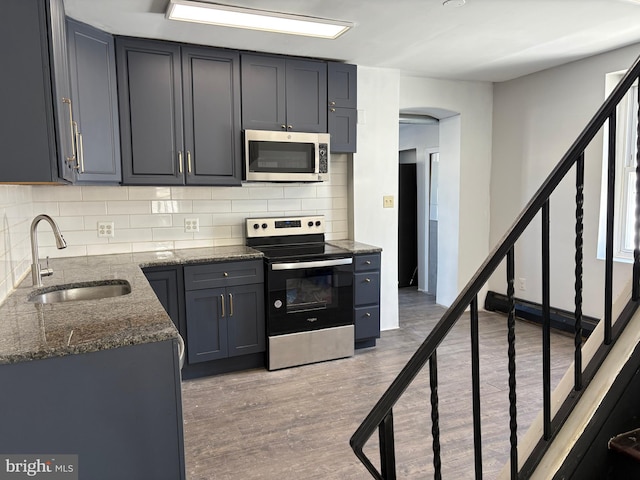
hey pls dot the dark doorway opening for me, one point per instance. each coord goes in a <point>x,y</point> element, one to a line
<point>407,225</point>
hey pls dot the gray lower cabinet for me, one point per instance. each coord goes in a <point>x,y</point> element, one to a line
<point>283,94</point>
<point>225,319</point>
<point>342,103</point>
<point>92,65</point>
<point>35,132</point>
<point>119,410</point>
<point>180,114</point>
<point>366,285</point>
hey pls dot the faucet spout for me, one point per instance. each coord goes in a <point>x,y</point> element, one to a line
<point>37,272</point>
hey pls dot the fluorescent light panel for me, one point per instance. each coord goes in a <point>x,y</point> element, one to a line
<point>227,16</point>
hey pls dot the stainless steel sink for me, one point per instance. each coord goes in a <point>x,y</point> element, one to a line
<point>81,291</point>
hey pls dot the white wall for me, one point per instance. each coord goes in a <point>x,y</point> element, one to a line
<point>464,174</point>
<point>375,174</point>
<point>536,119</point>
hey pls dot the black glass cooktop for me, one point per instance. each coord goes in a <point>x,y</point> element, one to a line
<point>301,251</point>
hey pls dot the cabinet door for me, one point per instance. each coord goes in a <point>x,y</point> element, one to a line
<point>150,101</point>
<point>95,105</point>
<point>207,314</point>
<point>246,331</point>
<point>306,96</point>
<point>167,285</point>
<point>67,152</point>
<point>342,123</point>
<point>263,93</point>
<point>341,85</point>
<point>27,134</point>
<point>212,133</point>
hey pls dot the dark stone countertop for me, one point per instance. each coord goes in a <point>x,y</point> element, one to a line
<point>30,331</point>
<point>355,247</point>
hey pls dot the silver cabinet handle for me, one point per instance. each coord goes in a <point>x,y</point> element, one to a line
<point>332,110</point>
<point>332,104</point>
<point>367,280</point>
<point>283,126</point>
<point>181,351</point>
<point>189,162</point>
<point>367,262</point>
<point>180,161</point>
<point>290,127</point>
<point>72,158</point>
<point>80,150</point>
<point>225,274</point>
<point>231,305</point>
<point>367,315</point>
<point>222,302</point>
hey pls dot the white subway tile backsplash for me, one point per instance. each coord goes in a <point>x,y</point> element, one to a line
<point>211,206</point>
<point>287,204</point>
<point>109,249</point>
<point>171,206</point>
<point>152,218</point>
<point>157,220</point>
<point>56,193</point>
<point>149,193</point>
<point>255,207</point>
<point>71,209</point>
<point>91,194</point>
<point>190,193</point>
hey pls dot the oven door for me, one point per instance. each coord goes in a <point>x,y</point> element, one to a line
<point>309,295</point>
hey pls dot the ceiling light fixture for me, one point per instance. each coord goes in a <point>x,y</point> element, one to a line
<point>453,3</point>
<point>227,16</point>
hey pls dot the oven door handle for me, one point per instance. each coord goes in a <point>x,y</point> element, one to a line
<point>314,264</point>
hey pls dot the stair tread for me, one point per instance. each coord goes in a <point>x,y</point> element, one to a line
<point>627,443</point>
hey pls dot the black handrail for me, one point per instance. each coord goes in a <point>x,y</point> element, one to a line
<point>381,414</point>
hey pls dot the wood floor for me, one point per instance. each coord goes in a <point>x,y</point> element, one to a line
<point>296,423</point>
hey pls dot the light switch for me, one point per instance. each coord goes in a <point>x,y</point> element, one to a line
<point>387,201</point>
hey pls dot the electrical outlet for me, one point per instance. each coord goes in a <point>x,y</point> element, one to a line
<point>106,229</point>
<point>387,201</point>
<point>522,284</point>
<point>191,225</point>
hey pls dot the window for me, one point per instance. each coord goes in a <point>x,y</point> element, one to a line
<point>626,154</point>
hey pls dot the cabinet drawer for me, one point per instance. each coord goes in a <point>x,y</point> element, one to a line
<point>367,288</point>
<point>367,262</point>
<point>224,274</point>
<point>367,322</point>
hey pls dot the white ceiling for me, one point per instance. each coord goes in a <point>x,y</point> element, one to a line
<point>492,40</point>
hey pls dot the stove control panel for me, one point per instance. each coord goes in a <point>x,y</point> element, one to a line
<point>278,226</point>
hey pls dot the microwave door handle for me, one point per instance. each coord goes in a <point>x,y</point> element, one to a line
<point>313,264</point>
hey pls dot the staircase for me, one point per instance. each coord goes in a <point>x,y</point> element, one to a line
<point>585,401</point>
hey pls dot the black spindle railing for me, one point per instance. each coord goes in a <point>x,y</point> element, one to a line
<point>577,357</point>
<point>546,323</point>
<point>381,416</point>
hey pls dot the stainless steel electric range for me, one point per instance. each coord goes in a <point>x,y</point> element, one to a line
<point>308,290</point>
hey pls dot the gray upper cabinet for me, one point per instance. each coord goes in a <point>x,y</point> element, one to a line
<point>180,114</point>
<point>211,89</point>
<point>342,103</point>
<point>35,133</point>
<point>95,104</point>
<point>284,94</point>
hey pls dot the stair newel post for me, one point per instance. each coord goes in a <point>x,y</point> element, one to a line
<point>546,324</point>
<point>611,191</point>
<point>635,295</point>
<point>435,416</point>
<point>387,448</point>
<point>511,338</point>
<point>475,379</point>
<point>577,363</point>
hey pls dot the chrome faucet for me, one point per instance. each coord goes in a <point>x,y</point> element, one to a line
<point>37,272</point>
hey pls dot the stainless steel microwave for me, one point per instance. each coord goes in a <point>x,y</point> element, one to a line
<point>286,156</point>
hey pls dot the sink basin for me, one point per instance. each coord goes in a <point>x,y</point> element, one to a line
<point>81,291</point>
